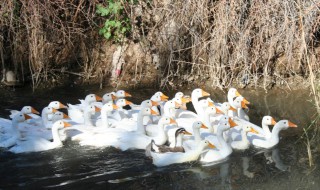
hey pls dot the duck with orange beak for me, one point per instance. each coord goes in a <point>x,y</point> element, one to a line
<point>224,149</point>
<point>274,139</point>
<point>76,112</point>
<point>36,144</point>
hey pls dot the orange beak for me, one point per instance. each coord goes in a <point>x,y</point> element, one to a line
<point>154,113</point>
<point>273,122</point>
<point>128,102</point>
<point>246,101</point>
<point>34,111</point>
<point>27,116</point>
<point>211,145</point>
<point>54,110</point>
<point>203,126</point>
<point>65,116</point>
<point>232,123</point>
<point>292,124</point>
<point>164,97</point>
<point>97,109</point>
<point>204,93</point>
<point>98,98</point>
<point>115,106</point>
<point>237,93</point>
<point>232,108</point>
<point>243,105</point>
<point>184,100</point>
<point>187,133</point>
<point>172,121</point>
<point>66,124</point>
<point>62,105</point>
<point>126,94</point>
<point>253,131</point>
<point>113,97</point>
<point>188,99</point>
<point>210,104</point>
<point>154,103</point>
<point>219,111</point>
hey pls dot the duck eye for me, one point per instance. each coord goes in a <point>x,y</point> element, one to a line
<point>285,122</point>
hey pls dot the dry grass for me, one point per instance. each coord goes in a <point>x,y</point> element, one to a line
<point>238,41</point>
<point>217,42</point>
<point>42,38</point>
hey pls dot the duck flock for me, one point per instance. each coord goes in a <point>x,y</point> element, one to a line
<point>165,129</point>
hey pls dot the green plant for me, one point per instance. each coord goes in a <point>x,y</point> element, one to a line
<point>117,23</point>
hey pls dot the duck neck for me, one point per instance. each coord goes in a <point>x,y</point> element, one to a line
<point>162,134</point>
<point>169,111</point>
<point>225,148</point>
<point>266,130</point>
<point>55,136</point>
<point>230,99</point>
<point>208,123</point>
<point>196,134</point>
<point>87,118</point>
<point>178,142</point>
<point>140,127</point>
<point>44,116</point>
<point>197,107</point>
<point>15,128</point>
<point>104,118</point>
<point>275,133</point>
<point>244,136</point>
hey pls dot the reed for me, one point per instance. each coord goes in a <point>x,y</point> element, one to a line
<point>243,42</point>
<point>219,43</point>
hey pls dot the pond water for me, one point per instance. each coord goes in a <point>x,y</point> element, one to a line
<point>73,166</point>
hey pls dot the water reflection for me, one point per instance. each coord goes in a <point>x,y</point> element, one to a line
<point>73,166</point>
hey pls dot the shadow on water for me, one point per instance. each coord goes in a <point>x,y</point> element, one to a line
<point>73,166</point>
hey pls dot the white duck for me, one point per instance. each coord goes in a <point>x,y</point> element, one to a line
<point>56,105</point>
<point>195,95</point>
<point>186,99</point>
<point>78,129</point>
<point>76,112</point>
<point>105,112</point>
<point>224,150</point>
<point>11,138</point>
<point>5,127</point>
<point>263,132</point>
<point>24,110</point>
<point>108,97</point>
<point>127,139</point>
<point>244,142</point>
<point>121,113</point>
<point>41,144</point>
<point>232,94</point>
<point>121,94</point>
<point>164,159</point>
<point>196,139</point>
<point>31,132</point>
<point>44,121</point>
<point>274,139</point>
<point>212,124</point>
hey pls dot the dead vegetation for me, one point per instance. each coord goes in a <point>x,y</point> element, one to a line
<point>243,42</point>
<point>218,43</point>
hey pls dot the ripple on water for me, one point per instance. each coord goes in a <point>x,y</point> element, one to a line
<point>73,166</point>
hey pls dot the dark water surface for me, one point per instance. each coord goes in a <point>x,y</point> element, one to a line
<point>73,166</point>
